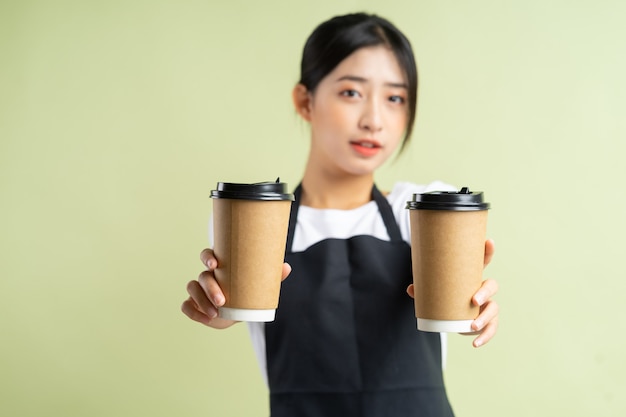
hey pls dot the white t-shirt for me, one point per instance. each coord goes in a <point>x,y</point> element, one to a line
<point>314,225</point>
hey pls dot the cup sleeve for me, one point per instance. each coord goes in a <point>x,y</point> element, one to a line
<point>210,232</point>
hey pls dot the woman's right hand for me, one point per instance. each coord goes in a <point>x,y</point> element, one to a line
<point>206,296</point>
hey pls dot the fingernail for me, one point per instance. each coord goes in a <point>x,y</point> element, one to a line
<point>212,313</point>
<point>478,343</point>
<point>210,264</point>
<point>478,324</point>
<point>218,300</point>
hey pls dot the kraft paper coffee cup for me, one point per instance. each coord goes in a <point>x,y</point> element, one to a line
<point>448,233</point>
<point>250,223</point>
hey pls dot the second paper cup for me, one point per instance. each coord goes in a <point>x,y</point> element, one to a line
<point>250,223</point>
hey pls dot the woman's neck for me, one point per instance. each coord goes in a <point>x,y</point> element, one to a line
<point>337,191</point>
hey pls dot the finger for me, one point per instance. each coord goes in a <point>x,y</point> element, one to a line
<point>411,290</point>
<point>487,334</point>
<point>286,270</point>
<point>490,248</point>
<point>488,289</point>
<point>488,313</point>
<point>211,288</point>
<point>208,259</point>
<point>199,297</point>
<point>190,309</point>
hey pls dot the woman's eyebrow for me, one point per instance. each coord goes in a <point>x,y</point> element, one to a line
<point>352,78</point>
<point>363,80</point>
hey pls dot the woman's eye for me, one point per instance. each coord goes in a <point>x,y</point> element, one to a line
<point>350,93</point>
<point>397,99</point>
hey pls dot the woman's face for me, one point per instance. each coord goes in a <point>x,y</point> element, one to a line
<point>358,113</point>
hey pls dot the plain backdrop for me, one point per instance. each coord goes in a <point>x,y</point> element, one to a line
<point>118,117</point>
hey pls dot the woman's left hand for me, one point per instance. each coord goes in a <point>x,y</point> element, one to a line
<point>486,324</point>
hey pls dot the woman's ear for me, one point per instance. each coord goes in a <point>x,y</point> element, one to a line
<point>302,101</point>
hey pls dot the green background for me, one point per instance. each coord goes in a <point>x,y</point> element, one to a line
<point>118,117</point>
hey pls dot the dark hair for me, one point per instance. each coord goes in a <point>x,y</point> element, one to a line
<point>332,41</point>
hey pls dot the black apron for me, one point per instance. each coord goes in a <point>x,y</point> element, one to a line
<point>344,342</point>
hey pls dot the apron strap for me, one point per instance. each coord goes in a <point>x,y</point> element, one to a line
<point>383,208</point>
<point>387,214</point>
<point>293,217</point>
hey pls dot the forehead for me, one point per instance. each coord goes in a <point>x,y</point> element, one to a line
<point>372,63</point>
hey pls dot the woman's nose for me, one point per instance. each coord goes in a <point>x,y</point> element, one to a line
<point>371,119</point>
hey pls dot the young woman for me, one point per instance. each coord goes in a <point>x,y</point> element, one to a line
<point>344,342</point>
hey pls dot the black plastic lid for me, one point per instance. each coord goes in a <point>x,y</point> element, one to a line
<point>266,191</point>
<point>463,200</point>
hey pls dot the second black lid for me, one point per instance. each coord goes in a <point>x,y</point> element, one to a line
<point>266,191</point>
<point>463,200</point>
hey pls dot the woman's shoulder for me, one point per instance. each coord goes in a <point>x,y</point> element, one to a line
<point>404,190</point>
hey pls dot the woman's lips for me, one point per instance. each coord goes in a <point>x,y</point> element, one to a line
<point>366,147</point>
